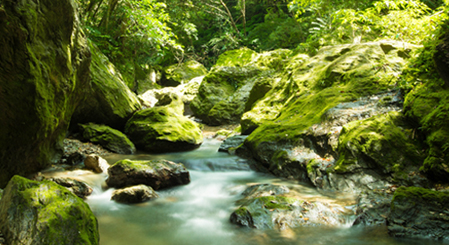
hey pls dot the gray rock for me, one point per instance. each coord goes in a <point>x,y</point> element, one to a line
<point>78,188</point>
<point>155,173</point>
<point>34,212</point>
<point>96,163</point>
<point>417,213</point>
<point>107,137</point>
<point>230,144</point>
<point>134,194</point>
<point>373,208</point>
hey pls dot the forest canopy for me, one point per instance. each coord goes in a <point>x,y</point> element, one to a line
<point>147,33</point>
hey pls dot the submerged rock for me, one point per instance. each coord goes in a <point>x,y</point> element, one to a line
<point>96,163</point>
<point>267,207</point>
<point>44,69</point>
<point>108,100</point>
<point>164,128</point>
<point>155,173</point>
<point>45,213</point>
<point>107,137</point>
<point>134,194</point>
<point>78,188</point>
<point>418,212</point>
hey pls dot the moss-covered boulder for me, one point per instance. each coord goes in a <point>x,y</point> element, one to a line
<point>417,213</point>
<point>107,137</point>
<point>381,145</point>
<point>134,194</point>
<point>155,173</point>
<point>34,212</point>
<point>163,128</point>
<point>44,69</point>
<point>177,74</point>
<point>428,106</point>
<point>223,93</point>
<point>107,100</point>
<point>237,58</point>
<point>300,118</point>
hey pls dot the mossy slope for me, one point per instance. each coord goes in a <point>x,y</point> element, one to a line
<point>107,137</point>
<point>44,68</point>
<point>45,213</point>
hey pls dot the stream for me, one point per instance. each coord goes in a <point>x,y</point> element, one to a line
<point>198,213</point>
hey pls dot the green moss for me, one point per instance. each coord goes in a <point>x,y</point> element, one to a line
<point>419,195</point>
<point>52,214</point>
<point>107,137</point>
<point>276,202</point>
<point>427,105</point>
<point>311,166</point>
<point>383,141</point>
<point>237,58</point>
<point>163,129</point>
<point>311,86</point>
<point>182,73</point>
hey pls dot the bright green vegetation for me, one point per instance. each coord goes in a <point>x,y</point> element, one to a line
<point>383,142</point>
<point>182,73</point>
<point>45,213</point>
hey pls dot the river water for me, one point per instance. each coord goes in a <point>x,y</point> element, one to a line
<point>198,213</point>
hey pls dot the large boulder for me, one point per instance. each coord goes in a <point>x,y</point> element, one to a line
<point>164,128</point>
<point>134,194</point>
<point>107,137</point>
<point>177,74</point>
<point>297,124</point>
<point>44,69</point>
<point>108,100</point>
<point>155,173</point>
<point>34,212</point>
<point>417,212</point>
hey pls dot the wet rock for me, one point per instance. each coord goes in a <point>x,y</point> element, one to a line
<point>230,144</point>
<point>155,173</point>
<point>267,207</point>
<point>163,128</point>
<point>96,163</point>
<point>417,212</point>
<point>44,69</point>
<point>72,146</point>
<point>177,74</point>
<point>48,214</point>
<point>78,188</point>
<point>107,137</point>
<point>75,158</point>
<point>134,194</point>
<point>373,208</point>
<point>108,100</point>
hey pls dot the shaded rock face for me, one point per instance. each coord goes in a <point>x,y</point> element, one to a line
<point>96,164</point>
<point>44,68</point>
<point>134,194</point>
<point>373,208</point>
<point>164,128</point>
<point>441,58</point>
<point>78,188</point>
<point>108,100</point>
<point>419,212</point>
<point>267,207</point>
<point>107,137</point>
<point>230,144</point>
<point>177,74</point>
<point>45,213</point>
<point>155,173</point>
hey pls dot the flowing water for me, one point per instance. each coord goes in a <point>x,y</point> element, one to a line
<point>198,213</point>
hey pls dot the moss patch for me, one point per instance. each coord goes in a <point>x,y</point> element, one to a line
<point>419,195</point>
<point>182,73</point>
<point>107,137</point>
